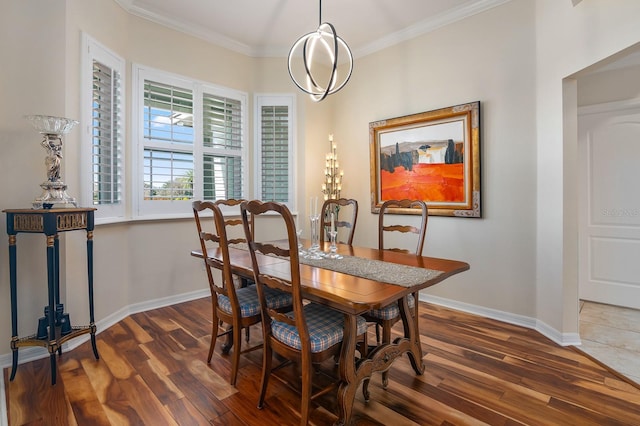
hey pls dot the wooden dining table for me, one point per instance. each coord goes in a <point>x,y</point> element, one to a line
<point>353,293</point>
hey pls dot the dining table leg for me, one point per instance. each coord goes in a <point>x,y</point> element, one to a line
<point>411,333</point>
<point>354,371</point>
<point>347,370</point>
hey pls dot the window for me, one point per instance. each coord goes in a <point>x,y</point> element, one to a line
<point>102,150</point>
<point>222,148</point>
<point>191,142</point>
<point>274,148</point>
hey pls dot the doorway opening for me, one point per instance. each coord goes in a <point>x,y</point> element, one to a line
<point>608,101</point>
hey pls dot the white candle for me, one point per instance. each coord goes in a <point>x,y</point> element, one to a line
<point>333,225</point>
<point>331,137</point>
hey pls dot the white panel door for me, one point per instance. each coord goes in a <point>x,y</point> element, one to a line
<point>609,219</point>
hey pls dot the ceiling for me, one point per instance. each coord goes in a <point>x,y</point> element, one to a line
<point>263,28</point>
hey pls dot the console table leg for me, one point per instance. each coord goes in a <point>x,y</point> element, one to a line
<point>93,345</point>
<point>14,364</point>
<point>52,359</point>
<point>13,284</point>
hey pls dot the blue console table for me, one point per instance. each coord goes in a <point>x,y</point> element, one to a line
<point>55,328</point>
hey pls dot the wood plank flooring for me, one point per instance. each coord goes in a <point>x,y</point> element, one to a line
<point>153,371</point>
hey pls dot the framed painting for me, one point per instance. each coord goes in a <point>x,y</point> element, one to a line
<point>432,156</point>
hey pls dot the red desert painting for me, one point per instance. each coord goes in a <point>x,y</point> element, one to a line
<point>433,182</point>
<point>419,170</point>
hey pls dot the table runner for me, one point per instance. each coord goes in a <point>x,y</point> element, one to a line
<point>375,270</point>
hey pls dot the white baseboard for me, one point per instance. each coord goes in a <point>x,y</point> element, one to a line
<point>562,339</point>
<point>34,353</point>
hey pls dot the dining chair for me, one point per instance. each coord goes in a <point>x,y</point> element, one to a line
<point>230,207</point>
<point>386,317</point>
<point>310,333</point>
<point>348,207</point>
<point>385,229</point>
<point>239,307</point>
<point>235,231</point>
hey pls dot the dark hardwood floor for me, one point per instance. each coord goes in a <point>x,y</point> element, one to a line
<point>153,371</point>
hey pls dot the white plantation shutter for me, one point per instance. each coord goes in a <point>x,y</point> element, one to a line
<point>102,121</point>
<point>192,138</point>
<point>275,153</point>
<point>168,175</point>
<point>222,163</point>
<point>275,148</point>
<point>168,113</point>
<point>106,140</point>
<point>168,140</point>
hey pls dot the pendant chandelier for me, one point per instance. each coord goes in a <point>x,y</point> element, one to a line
<point>319,49</point>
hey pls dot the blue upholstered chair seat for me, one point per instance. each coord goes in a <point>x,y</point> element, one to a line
<point>391,311</point>
<point>249,302</point>
<point>325,325</point>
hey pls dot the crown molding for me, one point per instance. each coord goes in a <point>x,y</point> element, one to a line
<point>189,29</point>
<point>408,33</point>
<point>428,26</point>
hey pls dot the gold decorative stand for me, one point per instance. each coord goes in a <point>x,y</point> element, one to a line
<point>55,328</point>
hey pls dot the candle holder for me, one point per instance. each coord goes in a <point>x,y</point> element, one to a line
<point>333,176</point>
<point>314,251</point>
<point>54,194</point>
<point>333,249</point>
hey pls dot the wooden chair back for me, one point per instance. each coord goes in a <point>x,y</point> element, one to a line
<point>290,252</point>
<point>233,220</point>
<point>345,212</point>
<point>207,234</point>
<point>420,230</point>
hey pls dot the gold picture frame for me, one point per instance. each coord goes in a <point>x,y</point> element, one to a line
<point>432,156</point>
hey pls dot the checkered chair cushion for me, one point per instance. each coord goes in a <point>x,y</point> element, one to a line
<point>249,302</point>
<point>391,311</point>
<point>325,325</point>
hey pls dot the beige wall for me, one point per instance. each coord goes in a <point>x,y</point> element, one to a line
<point>489,58</point>
<point>512,58</point>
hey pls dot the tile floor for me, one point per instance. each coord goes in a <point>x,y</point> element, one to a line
<point>611,334</point>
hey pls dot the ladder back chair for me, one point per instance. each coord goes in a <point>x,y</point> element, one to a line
<point>233,223</point>
<point>235,236</point>
<point>348,226</point>
<point>420,230</point>
<point>307,335</point>
<point>237,307</point>
<point>386,317</point>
